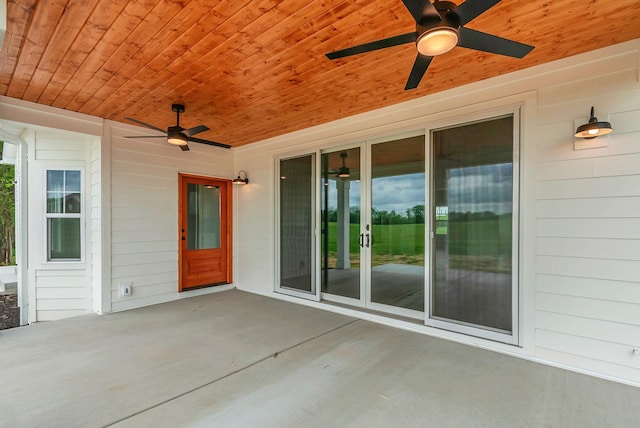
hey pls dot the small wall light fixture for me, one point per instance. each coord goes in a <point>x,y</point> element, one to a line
<point>239,180</point>
<point>593,128</point>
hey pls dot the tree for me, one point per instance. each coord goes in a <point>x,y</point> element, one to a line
<point>7,214</point>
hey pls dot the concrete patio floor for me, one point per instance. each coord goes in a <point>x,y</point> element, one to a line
<point>235,359</point>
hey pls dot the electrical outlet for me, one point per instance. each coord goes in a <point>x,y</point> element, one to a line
<point>125,289</point>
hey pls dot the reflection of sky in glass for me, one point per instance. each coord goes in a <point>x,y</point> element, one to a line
<point>481,188</point>
<point>394,193</point>
<point>471,189</point>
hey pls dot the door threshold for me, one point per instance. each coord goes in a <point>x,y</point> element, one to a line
<point>374,312</point>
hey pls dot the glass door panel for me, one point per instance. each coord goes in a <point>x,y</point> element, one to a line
<point>472,214</point>
<point>203,216</point>
<point>340,246</point>
<point>297,224</point>
<point>397,223</point>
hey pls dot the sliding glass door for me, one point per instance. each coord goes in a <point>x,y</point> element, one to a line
<point>410,227</point>
<point>397,194</point>
<point>296,243</point>
<point>473,214</point>
<point>341,274</point>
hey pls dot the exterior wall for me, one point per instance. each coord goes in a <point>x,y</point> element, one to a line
<point>58,289</point>
<point>144,212</point>
<point>588,226</point>
<point>130,206</point>
<point>579,209</point>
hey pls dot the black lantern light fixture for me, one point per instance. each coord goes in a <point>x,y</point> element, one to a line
<point>239,180</point>
<point>593,128</point>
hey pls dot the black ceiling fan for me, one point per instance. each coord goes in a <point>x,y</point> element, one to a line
<point>440,28</point>
<point>177,135</point>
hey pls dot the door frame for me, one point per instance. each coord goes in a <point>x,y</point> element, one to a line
<point>228,186</point>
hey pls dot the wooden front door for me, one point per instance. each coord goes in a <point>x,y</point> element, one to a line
<point>205,231</point>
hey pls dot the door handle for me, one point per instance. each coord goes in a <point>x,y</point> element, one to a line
<point>183,238</point>
<point>368,240</point>
<point>362,240</point>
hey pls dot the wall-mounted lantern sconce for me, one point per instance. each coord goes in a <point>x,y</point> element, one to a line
<point>239,180</point>
<point>593,128</point>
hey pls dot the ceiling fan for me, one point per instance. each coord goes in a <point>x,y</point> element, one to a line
<point>177,135</point>
<point>440,28</point>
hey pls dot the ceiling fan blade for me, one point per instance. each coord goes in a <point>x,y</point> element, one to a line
<point>196,130</point>
<point>184,148</point>
<point>373,46</point>
<point>471,9</point>
<point>145,136</point>
<point>419,68</point>
<point>421,9</point>
<point>480,41</point>
<point>211,143</point>
<point>164,131</point>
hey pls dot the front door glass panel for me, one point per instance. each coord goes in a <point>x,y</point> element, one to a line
<point>203,216</point>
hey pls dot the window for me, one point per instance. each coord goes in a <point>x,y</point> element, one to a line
<point>64,211</point>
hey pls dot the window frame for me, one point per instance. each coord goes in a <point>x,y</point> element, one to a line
<point>47,216</point>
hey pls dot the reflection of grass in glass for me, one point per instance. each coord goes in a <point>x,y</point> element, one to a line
<point>395,243</point>
<point>477,245</point>
<point>480,237</point>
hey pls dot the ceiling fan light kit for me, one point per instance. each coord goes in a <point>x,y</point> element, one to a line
<point>176,137</point>
<point>437,41</point>
<point>440,28</point>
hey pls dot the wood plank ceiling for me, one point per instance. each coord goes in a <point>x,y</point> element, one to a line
<point>255,69</point>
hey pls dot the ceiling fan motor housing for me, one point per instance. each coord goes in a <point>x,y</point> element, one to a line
<point>449,20</point>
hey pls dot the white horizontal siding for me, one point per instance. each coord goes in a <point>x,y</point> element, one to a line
<point>588,347</point>
<point>620,249</point>
<point>144,212</point>
<point>595,187</point>
<point>605,310</point>
<point>607,331</point>
<point>59,293</point>
<point>608,269</point>
<point>588,227</point>
<point>615,228</point>
<point>594,288</point>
